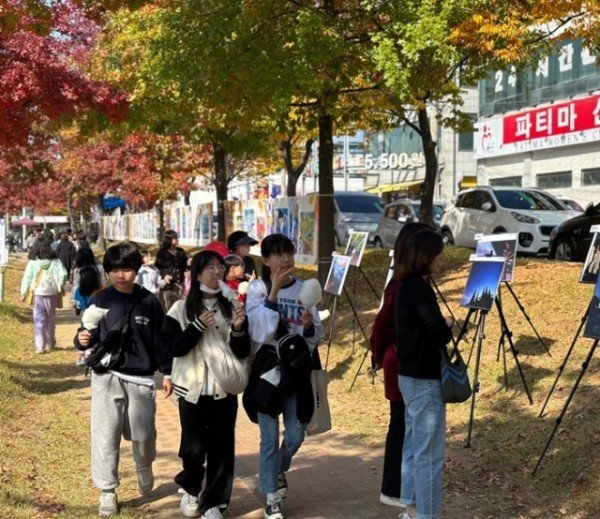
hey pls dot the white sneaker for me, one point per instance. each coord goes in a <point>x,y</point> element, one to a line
<point>273,511</point>
<point>108,504</point>
<point>213,513</point>
<point>145,480</point>
<point>389,501</point>
<point>189,504</point>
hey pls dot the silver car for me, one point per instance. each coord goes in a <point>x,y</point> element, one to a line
<point>356,211</point>
<point>395,215</point>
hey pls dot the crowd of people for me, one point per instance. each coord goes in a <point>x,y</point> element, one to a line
<point>210,348</point>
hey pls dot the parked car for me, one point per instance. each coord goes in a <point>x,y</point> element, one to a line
<point>571,204</point>
<point>357,211</point>
<point>395,215</point>
<point>571,240</point>
<point>531,213</point>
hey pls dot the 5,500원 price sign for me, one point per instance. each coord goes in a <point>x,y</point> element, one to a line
<point>394,160</point>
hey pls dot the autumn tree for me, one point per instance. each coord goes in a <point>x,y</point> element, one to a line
<point>429,51</point>
<point>42,72</point>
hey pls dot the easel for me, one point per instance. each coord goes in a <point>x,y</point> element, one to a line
<point>527,318</point>
<point>564,362</point>
<point>353,290</point>
<point>584,367</point>
<point>443,299</point>
<point>333,303</point>
<point>479,336</point>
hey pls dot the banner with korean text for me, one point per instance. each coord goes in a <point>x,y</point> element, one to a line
<point>562,124</point>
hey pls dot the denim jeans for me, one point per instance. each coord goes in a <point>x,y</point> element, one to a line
<point>424,445</point>
<point>275,459</point>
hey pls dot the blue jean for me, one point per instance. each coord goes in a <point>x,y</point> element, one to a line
<point>273,458</point>
<point>424,445</point>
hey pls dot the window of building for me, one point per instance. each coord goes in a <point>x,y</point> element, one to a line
<point>507,181</point>
<point>465,139</point>
<point>590,177</point>
<point>555,180</point>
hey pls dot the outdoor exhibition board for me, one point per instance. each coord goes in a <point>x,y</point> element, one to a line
<point>337,275</point>
<point>482,283</point>
<point>499,245</point>
<point>591,267</point>
<point>296,218</point>
<point>193,225</point>
<point>3,249</point>
<point>357,241</point>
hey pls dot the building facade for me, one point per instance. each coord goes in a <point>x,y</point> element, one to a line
<point>541,128</point>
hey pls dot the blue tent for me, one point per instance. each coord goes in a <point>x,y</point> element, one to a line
<point>112,202</point>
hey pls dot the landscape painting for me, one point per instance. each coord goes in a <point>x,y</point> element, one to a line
<point>357,241</point>
<point>589,274</point>
<point>500,245</point>
<point>337,275</point>
<point>482,284</point>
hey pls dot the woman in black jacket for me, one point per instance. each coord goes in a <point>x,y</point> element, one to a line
<point>421,333</point>
<point>171,262</point>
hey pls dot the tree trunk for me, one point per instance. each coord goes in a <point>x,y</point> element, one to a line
<point>294,173</point>
<point>221,183</point>
<point>431,168</point>
<point>326,207</point>
<point>160,231</point>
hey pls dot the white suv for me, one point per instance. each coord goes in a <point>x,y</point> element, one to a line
<point>531,213</point>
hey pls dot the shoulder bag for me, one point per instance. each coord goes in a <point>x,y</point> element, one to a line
<point>30,297</point>
<point>230,372</point>
<point>456,387</point>
<point>108,353</point>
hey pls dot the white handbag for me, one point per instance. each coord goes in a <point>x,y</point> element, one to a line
<point>230,372</point>
<point>321,418</point>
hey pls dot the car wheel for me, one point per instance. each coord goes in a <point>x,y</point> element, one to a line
<point>377,243</point>
<point>499,230</point>
<point>447,237</point>
<point>564,250</point>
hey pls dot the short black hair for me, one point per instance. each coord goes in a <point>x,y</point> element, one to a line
<point>122,256</point>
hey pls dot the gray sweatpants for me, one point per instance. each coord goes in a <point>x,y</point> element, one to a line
<point>120,408</point>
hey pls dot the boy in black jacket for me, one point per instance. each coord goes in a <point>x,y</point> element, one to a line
<point>123,398</point>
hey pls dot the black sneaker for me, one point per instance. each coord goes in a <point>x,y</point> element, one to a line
<point>282,485</point>
<point>273,511</point>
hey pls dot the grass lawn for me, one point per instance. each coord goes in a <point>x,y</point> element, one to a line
<point>44,460</point>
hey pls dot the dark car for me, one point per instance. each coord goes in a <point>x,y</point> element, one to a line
<point>570,240</point>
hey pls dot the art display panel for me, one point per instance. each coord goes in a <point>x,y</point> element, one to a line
<point>483,281</point>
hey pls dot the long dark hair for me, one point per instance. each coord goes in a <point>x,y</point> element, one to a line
<point>168,237</point>
<point>45,251</point>
<point>408,229</point>
<point>421,248</point>
<point>274,244</point>
<point>89,280</point>
<point>85,258</point>
<point>193,301</point>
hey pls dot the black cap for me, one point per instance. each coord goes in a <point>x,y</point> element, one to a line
<point>239,238</point>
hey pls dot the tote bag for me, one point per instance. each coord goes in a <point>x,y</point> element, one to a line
<point>321,418</point>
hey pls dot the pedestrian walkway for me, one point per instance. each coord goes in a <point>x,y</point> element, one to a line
<point>333,475</point>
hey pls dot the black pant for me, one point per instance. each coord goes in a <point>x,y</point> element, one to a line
<point>207,435</point>
<point>392,460</point>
